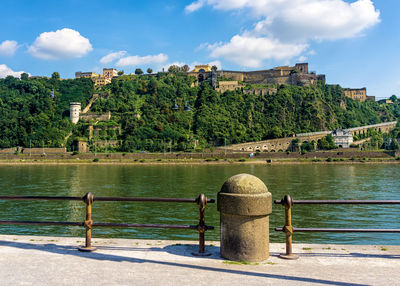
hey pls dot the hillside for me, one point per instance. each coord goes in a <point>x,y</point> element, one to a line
<point>143,108</point>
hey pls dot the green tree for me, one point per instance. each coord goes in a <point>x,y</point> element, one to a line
<point>121,72</point>
<point>55,75</point>
<point>149,70</point>
<point>185,68</point>
<point>138,71</point>
<point>174,68</point>
<point>24,76</point>
<point>214,68</point>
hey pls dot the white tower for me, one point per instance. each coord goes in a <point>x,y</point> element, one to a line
<point>74,110</point>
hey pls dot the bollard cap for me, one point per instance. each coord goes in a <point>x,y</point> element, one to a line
<point>244,184</point>
<point>246,195</point>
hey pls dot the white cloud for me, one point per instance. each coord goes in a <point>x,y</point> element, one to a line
<point>194,6</point>
<point>112,57</point>
<point>6,71</point>
<point>8,48</point>
<point>302,59</point>
<point>252,51</point>
<point>285,24</point>
<point>216,63</point>
<point>61,44</point>
<point>145,60</point>
<point>318,20</point>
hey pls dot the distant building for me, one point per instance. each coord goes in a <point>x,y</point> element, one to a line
<point>86,75</point>
<point>227,85</point>
<point>387,101</point>
<point>109,73</point>
<point>99,80</point>
<point>356,93</point>
<point>202,68</point>
<point>74,111</point>
<point>342,138</point>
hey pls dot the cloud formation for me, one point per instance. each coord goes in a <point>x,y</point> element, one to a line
<point>145,60</point>
<point>112,57</point>
<point>252,51</point>
<point>285,25</point>
<point>8,48</point>
<point>61,44</point>
<point>6,71</point>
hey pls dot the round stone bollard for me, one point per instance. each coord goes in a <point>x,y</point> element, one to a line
<point>244,204</point>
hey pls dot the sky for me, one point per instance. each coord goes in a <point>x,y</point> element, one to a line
<point>355,43</point>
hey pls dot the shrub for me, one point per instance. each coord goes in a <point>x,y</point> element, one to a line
<point>96,160</point>
<point>242,160</point>
<point>329,159</point>
<point>75,153</point>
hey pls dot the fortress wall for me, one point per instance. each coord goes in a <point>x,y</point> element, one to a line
<point>238,76</point>
<point>41,150</point>
<point>97,116</point>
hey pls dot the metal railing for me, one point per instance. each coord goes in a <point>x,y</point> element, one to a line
<point>89,198</point>
<point>288,229</point>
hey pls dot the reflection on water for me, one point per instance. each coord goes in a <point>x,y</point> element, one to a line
<point>188,181</point>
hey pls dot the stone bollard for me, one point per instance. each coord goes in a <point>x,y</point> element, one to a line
<point>244,204</point>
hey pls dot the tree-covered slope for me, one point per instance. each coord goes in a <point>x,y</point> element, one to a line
<point>29,114</point>
<point>144,107</point>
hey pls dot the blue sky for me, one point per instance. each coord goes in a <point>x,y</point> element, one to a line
<point>355,43</point>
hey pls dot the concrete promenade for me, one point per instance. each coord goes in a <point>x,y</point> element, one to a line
<point>39,260</point>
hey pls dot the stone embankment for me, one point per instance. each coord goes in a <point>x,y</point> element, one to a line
<point>348,155</point>
<point>40,260</point>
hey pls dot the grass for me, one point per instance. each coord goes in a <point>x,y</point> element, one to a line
<point>383,248</point>
<point>307,248</point>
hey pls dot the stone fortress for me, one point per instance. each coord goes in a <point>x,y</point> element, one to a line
<point>99,80</point>
<point>299,74</point>
<point>296,75</point>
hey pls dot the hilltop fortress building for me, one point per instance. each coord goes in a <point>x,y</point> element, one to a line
<point>99,80</point>
<point>297,75</point>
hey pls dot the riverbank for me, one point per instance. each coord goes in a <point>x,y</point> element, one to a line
<point>337,156</point>
<point>39,260</point>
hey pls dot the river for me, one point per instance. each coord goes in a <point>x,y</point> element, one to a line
<point>301,181</point>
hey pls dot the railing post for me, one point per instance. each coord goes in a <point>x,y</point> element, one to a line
<point>88,199</point>
<point>288,229</point>
<point>201,227</point>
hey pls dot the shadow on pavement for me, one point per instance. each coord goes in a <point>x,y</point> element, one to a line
<point>71,250</point>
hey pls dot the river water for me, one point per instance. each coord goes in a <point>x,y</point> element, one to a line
<point>359,181</point>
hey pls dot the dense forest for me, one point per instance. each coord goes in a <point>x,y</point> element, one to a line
<point>169,111</point>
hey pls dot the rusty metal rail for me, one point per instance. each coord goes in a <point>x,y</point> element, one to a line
<point>288,229</point>
<point>201,227</point>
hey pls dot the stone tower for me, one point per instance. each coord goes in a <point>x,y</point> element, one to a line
<point>74,110</point>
